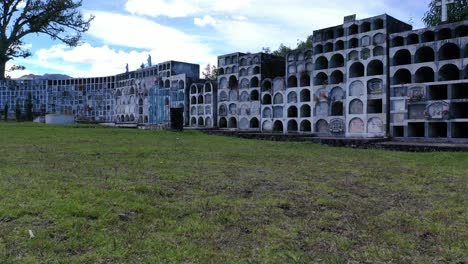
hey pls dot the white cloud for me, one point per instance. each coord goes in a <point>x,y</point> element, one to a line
<point>270,22</point>
<point>183,8</point>
<point>17,73</point>
<point>127,39</point>
<point>165,43</point>
<point>206,20</point>
<point>154,8</point>
<point>101,61</point>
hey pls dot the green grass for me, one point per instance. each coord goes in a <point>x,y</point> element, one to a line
<point>103,195</point>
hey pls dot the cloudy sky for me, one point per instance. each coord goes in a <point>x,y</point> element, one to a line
<point>196,31</point>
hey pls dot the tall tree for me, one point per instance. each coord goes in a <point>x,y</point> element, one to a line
<point>284,50</point>
<point>29,108</point>
<point>5,111</point>
<point>18,110</point>
<point>59,19</point>
<point>457,11</point>
<point>210,73</point>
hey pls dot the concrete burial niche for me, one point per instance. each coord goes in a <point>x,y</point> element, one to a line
<point>375,126</point>
<point>356,125</point>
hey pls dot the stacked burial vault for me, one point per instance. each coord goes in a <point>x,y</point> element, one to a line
<point>429,85</point>
<point>365,78</point>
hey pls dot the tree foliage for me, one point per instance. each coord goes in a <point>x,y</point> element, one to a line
<point>6,108</point>
<point>210,72</point>
<point>18,110</point>
<point>29,108</point>
<point>457,11</point>
<point>59,19</point>
<point>284,50</point>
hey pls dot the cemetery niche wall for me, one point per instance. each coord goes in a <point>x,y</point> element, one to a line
<point>368,78</point>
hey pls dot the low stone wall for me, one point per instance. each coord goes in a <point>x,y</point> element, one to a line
<point>361,143</point>
<point>53,119</point>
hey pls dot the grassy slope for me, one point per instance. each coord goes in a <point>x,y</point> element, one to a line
<point>109,195</point>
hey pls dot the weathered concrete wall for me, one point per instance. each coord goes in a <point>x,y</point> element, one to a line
<point>429,91</point>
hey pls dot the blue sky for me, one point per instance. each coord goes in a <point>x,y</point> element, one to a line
<point>196,31</point>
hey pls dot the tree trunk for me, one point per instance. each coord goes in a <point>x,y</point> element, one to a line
<point>2,69</point>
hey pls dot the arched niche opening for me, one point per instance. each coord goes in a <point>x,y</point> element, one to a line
<point>233,83</point>
<point>254,123</point>
<point>336,77</point>
<point>266,99</point>
<point>424,54</point>
<point>449,72</point>
<point>402,76</point>
<point>337,108</point>
<point>378,51</point>
<point>365,27</point>
<point>428,36</point>
<point>292,126</point>
<point>292,82</point>
<point>254,96</point>
<point>306,111</point>
<point>232,122</point>
<point>412,39</point>
<point>278,126</point>
<point>305,95</point>
<point>398,41</point>
<point>339,32</point>
<point>377,24</point>
<point>375,67</point>
<point>445,33</point>
<point>461,31</point>
<point>424,74</point>
<point>328,47</point>
<point>223,122</point>
<point>266,86</point>
<point>449,51</point>
<point>336,61</point>
<point>305,80</point>
<point>318,49</point>
<point>402,57</point>
<point>353,29</point>
<point>201,122</point>
<point>353,43</point>
<point>321,79</point>
<point>193,122</point>
<point>339,45</point>
<point>292,112</point>
<point>321,63</point>
<point>254,82</point>
<point>306,127</point>
<point>356,70</point>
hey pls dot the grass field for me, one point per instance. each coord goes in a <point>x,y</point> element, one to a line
<point>103,195</point>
